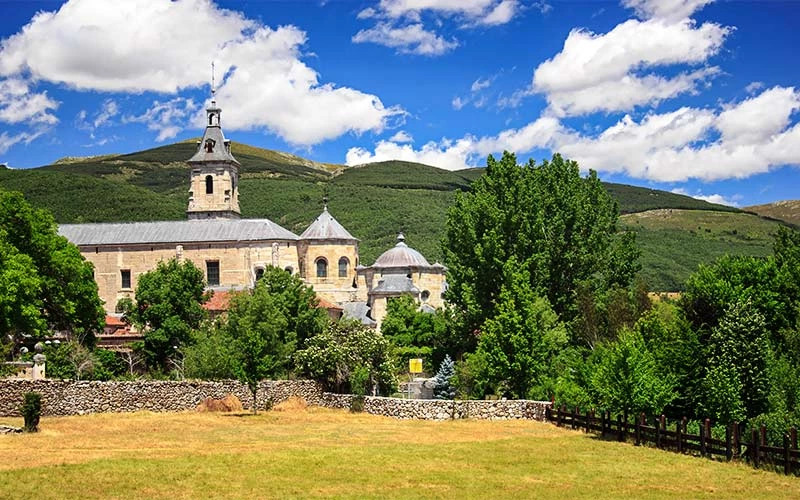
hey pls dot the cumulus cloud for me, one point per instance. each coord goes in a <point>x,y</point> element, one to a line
<point>675,146</point>
<point>7,140</point>
<point>410,39</point>
<point>607,72</point>
<point>478,11</point>
<point>86,45</point>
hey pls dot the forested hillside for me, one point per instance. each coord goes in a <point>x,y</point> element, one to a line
<point>373,201</point>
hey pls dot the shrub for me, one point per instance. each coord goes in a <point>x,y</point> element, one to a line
<point>31,410</point>
<point>358,385</point>
<point>444,388</point>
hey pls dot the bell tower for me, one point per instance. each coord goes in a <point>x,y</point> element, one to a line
<point>214,177</point>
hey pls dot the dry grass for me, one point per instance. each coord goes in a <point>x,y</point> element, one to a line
<point>312,452</point>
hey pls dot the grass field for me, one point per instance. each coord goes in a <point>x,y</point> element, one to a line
<point>328,453</point>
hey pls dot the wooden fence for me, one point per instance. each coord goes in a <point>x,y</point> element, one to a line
<point>752,448</point>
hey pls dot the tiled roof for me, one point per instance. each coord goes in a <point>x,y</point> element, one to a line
<point>401,255</point>
<point>395,283</point>
<point>327,304</point>
<point>325,227</point>
<point>183,231</point>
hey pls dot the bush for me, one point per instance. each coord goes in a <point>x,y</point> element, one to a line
<point>31,410</point>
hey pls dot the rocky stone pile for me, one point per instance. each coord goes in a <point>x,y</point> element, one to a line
<point>7,429</point>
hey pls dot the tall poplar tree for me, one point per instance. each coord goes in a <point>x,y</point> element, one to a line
<point>560,227</point>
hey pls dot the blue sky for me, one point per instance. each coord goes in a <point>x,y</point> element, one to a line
<point>691,96</point>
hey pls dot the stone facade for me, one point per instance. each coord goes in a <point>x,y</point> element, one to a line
<point>333,287</point>
<point>76,397</point>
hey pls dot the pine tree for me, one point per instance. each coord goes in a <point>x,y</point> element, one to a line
<point>444,389</point>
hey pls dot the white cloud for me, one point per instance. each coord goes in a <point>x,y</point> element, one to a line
<point>480,84</point>
<point>87,45</point>
<point>542,6</point>
<point>665,9</point>
<point>401,136</point>
<point>459,102</point>
<point>501,13</point>
<point>758,118</point>
<point>668,147</point>
<point>754,87</point>
<point>473,10</point>
<point>410,39</point>
<point>108,110</point>
<point>18,104</point>
<point>166,118</point>
<point>711,198</point>
<point>399,23</point>
<point>606,72</point>
<point>7,140</point>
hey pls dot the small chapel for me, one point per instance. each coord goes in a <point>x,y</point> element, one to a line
<point>234,252</point>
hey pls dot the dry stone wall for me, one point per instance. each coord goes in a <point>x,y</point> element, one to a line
<point>71,397</point>
<point>429,409</point>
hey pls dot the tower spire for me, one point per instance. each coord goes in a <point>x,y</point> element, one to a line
<point>213,83</point>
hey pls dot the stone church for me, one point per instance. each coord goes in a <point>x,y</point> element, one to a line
<point>233,252</point>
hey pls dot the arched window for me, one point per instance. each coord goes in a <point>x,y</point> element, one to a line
<point>259,273</point>
<point>343,265</point>
<point>209,184</point>
<point>322,268</point>
<point>289,269</point>
<point>211,118</point>
<point>425,295</point>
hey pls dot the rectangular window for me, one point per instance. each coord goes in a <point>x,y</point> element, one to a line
<point>212,272</point>
<point>125,275</point>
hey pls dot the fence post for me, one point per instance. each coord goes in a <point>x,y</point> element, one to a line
<point>657,424</point>
<point>589,418</point>
<point>620,435</point>
<point>754,452</point>
<point>663,426</point>
<point>787,458</point>
<point>625,419</point>
<point>702,441</point>
<point>728,442</point>
<point>737,442</point>
<point>709,446</point>
<point>679,435</point>
<point>603,423</point>
<point>574,420</point>
<point>638,431</point>
<point>558,417</point>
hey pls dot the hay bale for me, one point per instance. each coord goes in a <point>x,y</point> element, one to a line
<point>227,404</point>
<point>294,403</point>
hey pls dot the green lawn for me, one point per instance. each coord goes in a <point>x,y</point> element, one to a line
<point>327,453</point>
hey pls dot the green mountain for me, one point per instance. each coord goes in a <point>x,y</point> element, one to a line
<point>374,201</point>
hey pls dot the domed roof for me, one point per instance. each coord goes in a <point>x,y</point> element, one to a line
<point>401,255</point>
<point>325,227</point>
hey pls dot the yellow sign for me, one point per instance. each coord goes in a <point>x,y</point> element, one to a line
<point>415,365</point>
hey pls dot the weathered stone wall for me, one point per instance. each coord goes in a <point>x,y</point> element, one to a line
<point>428,409</point>
<point>70,397</point>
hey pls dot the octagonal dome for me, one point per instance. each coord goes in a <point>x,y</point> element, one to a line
<point>401,255</point>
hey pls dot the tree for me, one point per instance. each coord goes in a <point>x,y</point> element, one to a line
<point>211,355</point>
<point>712,290</point>
<point>675,346</point>
<point>47,284</point>
<point>522,337</point>
<point>444,388</point>
<point>264,345</point>
<point>332,357</point>
<point>168,307</point>
<point>296,301</point>
<point>414,333</point>
<point>560,227</point>
<point>626,377</point>
<point>738,354</point>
